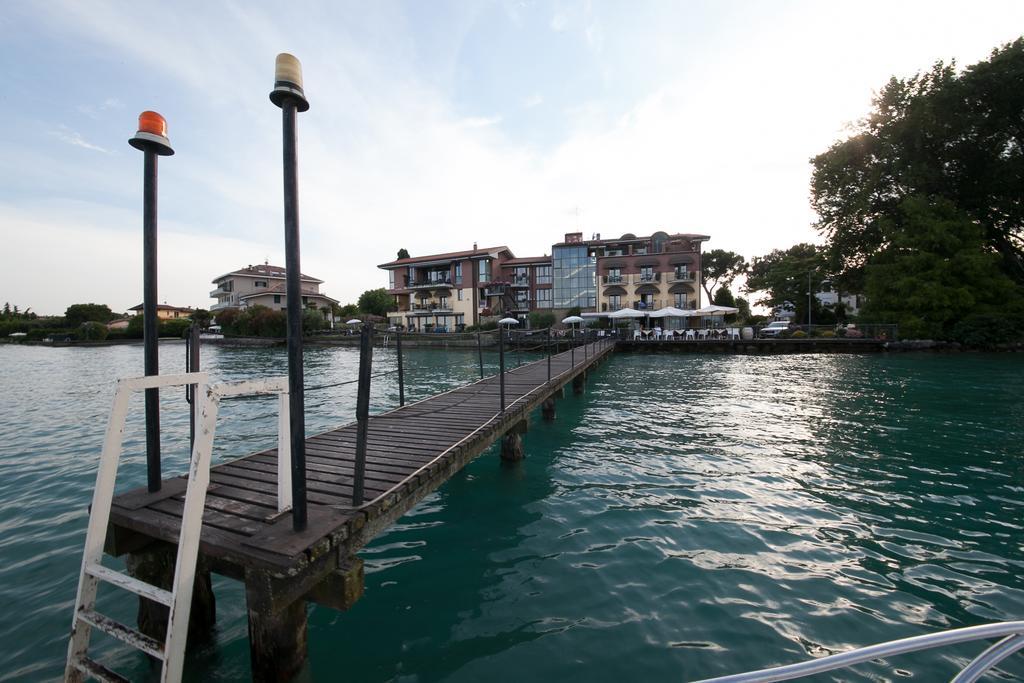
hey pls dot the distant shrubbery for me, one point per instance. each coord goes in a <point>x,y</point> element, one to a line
<point>260,321</point>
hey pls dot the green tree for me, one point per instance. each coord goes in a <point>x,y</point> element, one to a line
<point>783,276</point>
<point>723,297</point>
<point>313,321</point>
<point>201,317</point>
<point>541,319</point>
<point>744,307</point>
<point>376,302</point>
<point>76,314</point>
<point>93,331</point>
<point>348,311</point>
<point>403,253</point>
<point>718,268</point>
<point>934,272</point>
<point>956,135</point>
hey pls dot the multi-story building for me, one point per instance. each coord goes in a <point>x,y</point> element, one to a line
<point>264,285</point>
<point>443,292</point>
<point>166,312</point>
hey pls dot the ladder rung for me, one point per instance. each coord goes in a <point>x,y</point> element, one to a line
<point>98,671</point>
<point>125,634</point>
<point>130,583</point>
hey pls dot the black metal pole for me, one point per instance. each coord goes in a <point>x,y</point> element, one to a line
<point>501,365</point>
<point>572,348</point>
<point>401,374</point>
<point>519,349</point>
<point>586,339</point>
<point>480,353</point>
<point>150,323</point>
<point>549,354</point>
<point>191,365</point>
<point>296,383</point>
<point>362,412</point>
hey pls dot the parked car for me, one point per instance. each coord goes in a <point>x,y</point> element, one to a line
<point>774,328</point>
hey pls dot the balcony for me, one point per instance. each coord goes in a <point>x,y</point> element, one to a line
<point>221,305</point>
<point>613,279</point>
<point>644,278</point>
<point>430,308</point>
<point>220,291</point>
<point>440,282</point>
<point>520,281</point>
<point>683,276</point>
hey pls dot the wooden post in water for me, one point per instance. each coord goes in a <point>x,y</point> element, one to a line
<point>401,375</point>
<point>362,412</point>
<point>512,442</point>
<point>480,353</point>
<point>501,365</point>
<point>277,629</point>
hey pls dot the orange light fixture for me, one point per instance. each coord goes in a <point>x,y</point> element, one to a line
<point>152,134</point>
<point>153,123</point>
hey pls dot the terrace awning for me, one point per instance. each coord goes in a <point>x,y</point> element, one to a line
<point>647,289</point>
<point>614,290</point>
<point>681,288</point>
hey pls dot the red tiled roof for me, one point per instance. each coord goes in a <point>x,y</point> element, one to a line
<point>165,307</point>
<point>442,257</point>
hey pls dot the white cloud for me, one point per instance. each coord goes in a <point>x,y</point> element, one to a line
<point>65,134</point>
<point>534,100</point>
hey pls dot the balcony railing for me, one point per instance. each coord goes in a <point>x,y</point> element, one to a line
<point>613,279</point>
<point>520,280</point>
<point>683,276</point>
<point>431,308</point>
<point>643,278</point>
<point>443,282</point>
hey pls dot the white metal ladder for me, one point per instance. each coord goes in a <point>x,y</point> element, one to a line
<point>172,652</point>
<point>179,599</point>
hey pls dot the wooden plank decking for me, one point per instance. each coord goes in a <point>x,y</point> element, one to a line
<point>410,452</point>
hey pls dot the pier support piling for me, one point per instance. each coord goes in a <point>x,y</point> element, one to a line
<point>154,564</point>
<point>579,382</point>
<point>277,630</point>
<point>512,447</point>
<point>547,408</point>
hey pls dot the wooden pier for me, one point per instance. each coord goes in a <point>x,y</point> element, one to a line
<point>410,452</point>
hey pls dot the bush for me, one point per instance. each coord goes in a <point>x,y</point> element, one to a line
<point>799,334</point>
<point>854,333</point>
<point>983,330</point>
<point>92,331</point>
<point>174,328</point>
<point>828,334</point>
<point>313,321</point>
<point>488,325</point>
<point>541,319</point>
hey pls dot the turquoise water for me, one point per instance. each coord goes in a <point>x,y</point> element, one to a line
<point>688,516</point>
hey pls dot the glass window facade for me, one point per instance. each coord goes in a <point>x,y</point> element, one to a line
<point>543,274</point>
<point>484,271</point>
<point>458,273</point>
<point>543,298</point>
<point>574,272</point>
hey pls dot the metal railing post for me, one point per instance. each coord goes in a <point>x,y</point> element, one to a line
<point>572,348</point>
<point>191,365</point>
<point>480,352</point>
<point>549,354</point>
<point>501,365</point>
<point>519,348</point>
<point>401,374</point>
<point>362,412</point>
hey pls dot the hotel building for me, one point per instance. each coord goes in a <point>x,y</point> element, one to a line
<point>444,292</point>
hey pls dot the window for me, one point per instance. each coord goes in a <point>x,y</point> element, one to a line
<point>679,300</point>
<point>681,273</point>
<point>484,270</point>
<point>543,275</point>
<point>442,302</point>
<point>259,283</point>
<point>391,279</point>
<point>277,298</point>
<point>523,297</point>
<point>640,250</point>
<point>573,277</point>
<point>646,301</point>
<point>543,298</point>
<point>646,273</point>
<point>458,294</point>
<point>458,277</point>
<point>614,275</point>
<point>614,302</point>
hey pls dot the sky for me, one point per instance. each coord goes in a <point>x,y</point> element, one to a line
<point>433,125</point>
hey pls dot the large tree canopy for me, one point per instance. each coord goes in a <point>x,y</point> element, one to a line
<point>376,302</point>
<point>783,276</point>
<point>718,268</point>
<point>955,135</point>
<point>76,314</point>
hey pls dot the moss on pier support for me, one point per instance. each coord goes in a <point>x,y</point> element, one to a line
<point>277,630</point>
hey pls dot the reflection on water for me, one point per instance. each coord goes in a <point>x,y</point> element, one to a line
<point>688,516</point>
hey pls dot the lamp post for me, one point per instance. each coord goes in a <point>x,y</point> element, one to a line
<point>151,139</point>
<point>290,97</point>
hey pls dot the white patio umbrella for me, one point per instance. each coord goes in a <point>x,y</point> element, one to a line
<point>573,320</point>
<point>627,313</point>
<point>508,321</point>
<point>716,310</point>
<point>671,312</point>
<point>353,321</point>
